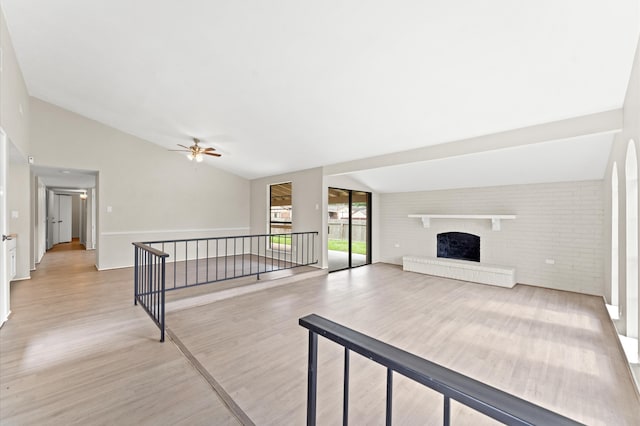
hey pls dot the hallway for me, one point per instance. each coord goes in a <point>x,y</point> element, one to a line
<point>77,351</point>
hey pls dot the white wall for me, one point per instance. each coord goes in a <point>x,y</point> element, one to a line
<point>19,202</point>
<point>90,231</point>
<point>14,120</point>
<point>631,131</point>
<point>562,222</point>
<point>306,200</point>
<point>14,102</point>
<point>153,193</point>
<point>76,208</point>
<point>38,219</point>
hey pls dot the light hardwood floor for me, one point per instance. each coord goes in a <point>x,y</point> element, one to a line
<point>554,348</point>
<point>76,350</point>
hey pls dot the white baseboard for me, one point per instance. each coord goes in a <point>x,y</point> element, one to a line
<point>5,319</point>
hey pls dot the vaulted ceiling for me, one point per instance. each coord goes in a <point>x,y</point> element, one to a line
<point>288,85</point>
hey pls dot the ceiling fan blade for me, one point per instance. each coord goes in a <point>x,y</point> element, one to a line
<point>213,154</point>
<point>180,150</point>
<point>185,147</point>
<point>209,149</point>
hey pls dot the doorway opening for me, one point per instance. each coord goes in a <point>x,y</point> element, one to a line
<point>65,208</point>
<point>349,229</point>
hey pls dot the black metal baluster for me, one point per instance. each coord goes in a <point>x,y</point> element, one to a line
<point>186,263</point>
<point>135,275</point>
<point>150,280</point>
<point>312,379</point>
<point>389,395</point>
<point>345,389</point>
<point>156,264</point>
<point>447,412</point>
<point>162,284</point>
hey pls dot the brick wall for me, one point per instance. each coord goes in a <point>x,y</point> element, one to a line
<point>562,222</point>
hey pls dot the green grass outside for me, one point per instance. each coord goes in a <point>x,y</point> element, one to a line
<point>281,239</point>
<point>357,247</point>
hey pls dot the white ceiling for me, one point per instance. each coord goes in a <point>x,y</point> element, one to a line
<point>65,178</point>
<point>583,158</point>
<point>288,85</point>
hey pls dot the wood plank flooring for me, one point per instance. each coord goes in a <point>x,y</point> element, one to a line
<point>554,348</point>
<point>76,350</point>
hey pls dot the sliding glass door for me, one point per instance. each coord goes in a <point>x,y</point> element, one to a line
<point>349,240</point>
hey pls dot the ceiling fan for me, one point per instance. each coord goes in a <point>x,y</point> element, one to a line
<point>196,152</point>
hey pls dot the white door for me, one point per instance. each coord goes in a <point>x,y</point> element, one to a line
<point>64,220</point>
<point>54,217</point>
<point>4,281</point>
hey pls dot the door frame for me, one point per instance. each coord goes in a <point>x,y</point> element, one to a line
<point>5,308</point>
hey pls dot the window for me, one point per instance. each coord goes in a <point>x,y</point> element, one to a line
<point>631,174</point>
<point>280,215</point>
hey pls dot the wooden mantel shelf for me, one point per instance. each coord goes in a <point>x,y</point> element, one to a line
<point>494,218</point>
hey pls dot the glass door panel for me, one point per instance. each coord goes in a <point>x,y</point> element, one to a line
<point>349,239</point>
<point>359,228</point>
<point>338,239</point>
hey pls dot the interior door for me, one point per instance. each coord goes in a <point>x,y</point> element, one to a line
<point>64,218</point>
<point>54,217</point>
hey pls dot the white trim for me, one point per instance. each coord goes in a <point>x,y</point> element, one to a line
<point>115,267</point>
<point>5,319</point>
<point>172,231</point>
<point>20,279</point>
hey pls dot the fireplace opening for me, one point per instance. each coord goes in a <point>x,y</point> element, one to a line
<point>459,245</point>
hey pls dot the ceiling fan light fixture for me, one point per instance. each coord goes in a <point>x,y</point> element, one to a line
<point>196,152</point>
